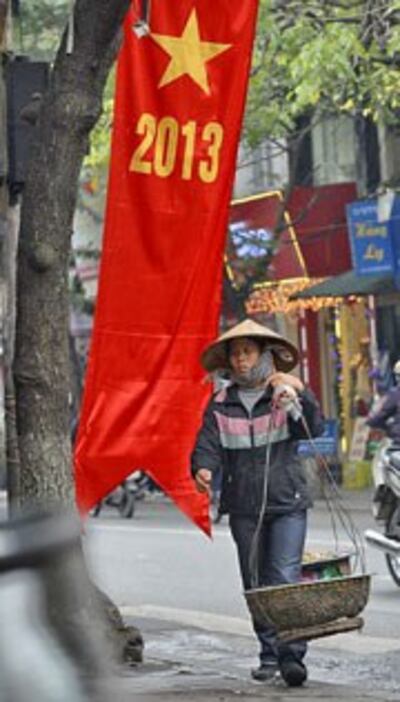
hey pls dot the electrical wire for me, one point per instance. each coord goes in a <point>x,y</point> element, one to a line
<point>338,512</point>
<point>254,548</point>
<point>142,12</point>
<point>336,503</point>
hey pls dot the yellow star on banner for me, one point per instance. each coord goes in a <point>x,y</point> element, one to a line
<point>189,54</point>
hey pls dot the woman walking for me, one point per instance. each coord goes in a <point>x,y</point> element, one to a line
<point>251,426</point>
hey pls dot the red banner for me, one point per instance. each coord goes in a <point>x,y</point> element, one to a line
<point>179,104</point>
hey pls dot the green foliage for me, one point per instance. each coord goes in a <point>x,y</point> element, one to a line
<point>38,30</point>
<point>96,162</point>
<point>323,55</point>
<point>37,33</point>
<point>333,56</point>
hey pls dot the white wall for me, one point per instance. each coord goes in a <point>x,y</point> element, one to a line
<point>334,153</point>
<point>261,169</point>
<point>389,146</point>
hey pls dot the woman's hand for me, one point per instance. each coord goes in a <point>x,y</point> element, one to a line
<point>285,379</point>
<point>285,388</point>
<point>203,479</point>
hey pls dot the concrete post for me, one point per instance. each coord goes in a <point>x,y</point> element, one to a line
<point>4,29</point>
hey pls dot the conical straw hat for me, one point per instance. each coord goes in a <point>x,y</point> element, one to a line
<point>215,356</point>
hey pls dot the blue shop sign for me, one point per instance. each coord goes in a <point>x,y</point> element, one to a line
<point>371,241</point>
<point>394,224</point>
<point>325,445</point>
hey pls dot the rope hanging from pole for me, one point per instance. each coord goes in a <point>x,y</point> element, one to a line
<point>146,6</point>
<point>142,26</point>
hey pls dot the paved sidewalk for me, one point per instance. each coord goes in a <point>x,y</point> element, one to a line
<point>183,664</point>
<point>183,686</point>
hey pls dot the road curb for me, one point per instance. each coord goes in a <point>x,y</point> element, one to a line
<point>352,642</point>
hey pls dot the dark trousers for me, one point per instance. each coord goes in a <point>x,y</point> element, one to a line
<point>280,552</point>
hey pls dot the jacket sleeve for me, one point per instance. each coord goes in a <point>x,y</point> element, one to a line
<point>207,452</point>
<point>378,419</point>
<point>312,417</point>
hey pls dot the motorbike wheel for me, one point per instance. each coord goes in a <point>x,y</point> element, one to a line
<point>126,506</point>
<point>96,509</point>
<point>393,531</point>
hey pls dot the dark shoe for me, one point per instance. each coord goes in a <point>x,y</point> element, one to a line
<point>293,672</point>
<point>266,671</point>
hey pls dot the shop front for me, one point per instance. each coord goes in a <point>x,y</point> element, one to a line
<point>360,332</point>
<point>353,361</point>
<point>280,245</point>
<point>283,246</point>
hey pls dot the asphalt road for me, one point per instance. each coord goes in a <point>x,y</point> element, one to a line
<point>158,565</point>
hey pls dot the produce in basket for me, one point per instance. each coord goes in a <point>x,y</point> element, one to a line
<point>324,565</point>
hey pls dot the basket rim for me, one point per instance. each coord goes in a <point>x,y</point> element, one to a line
<point>308,585</point>
<point>334,558</point>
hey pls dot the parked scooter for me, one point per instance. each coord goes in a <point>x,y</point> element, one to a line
<point>121,498</point>
<point>125,495</point>
<point>386,505</point>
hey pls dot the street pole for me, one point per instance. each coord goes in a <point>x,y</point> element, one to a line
<point>4,20</point>
<point>9,227</point>
<point>371,306</point>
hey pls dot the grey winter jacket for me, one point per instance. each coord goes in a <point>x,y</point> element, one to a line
<point>232,440</point>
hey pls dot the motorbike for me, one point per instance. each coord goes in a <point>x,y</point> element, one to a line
<point>124,496</point>
<point>386,506</point>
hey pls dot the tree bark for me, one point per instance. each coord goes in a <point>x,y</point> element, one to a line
<point>42,368</point>
<point>70,109</point>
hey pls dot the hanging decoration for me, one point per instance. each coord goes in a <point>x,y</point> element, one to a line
<point>276,297</point>
<point>178,112</point>
<point>142,25</point>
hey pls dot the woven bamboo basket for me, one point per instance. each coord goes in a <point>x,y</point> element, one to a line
<point>311,604</point>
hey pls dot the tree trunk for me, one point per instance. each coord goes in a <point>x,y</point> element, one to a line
<point>42,368</point>
<point>69,110</point>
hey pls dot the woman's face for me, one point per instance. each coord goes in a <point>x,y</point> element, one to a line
<point>243,355</point>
